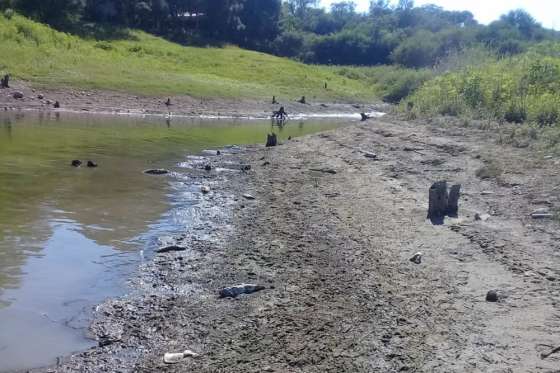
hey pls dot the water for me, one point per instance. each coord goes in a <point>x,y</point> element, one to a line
<point>70,237</point>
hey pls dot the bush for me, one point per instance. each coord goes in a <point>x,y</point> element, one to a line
<point>9,13</point>
<point>516,113</point>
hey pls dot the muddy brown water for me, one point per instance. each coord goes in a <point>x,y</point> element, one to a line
<point>71,237</point>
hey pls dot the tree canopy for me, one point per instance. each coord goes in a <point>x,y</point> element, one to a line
<point>402,34</point>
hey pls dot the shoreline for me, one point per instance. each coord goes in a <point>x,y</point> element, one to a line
<point>329,234</point>
<point>117,103</point>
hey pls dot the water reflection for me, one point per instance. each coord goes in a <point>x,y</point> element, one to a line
<point>69,237</point>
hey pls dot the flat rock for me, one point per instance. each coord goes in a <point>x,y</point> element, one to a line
<point>205,189</point>
<point>171,248</point>
<point>177,357</point>
<point>234,291</point>
<point>324,170</point>
<point>248,196</point>
<point>157,171</point>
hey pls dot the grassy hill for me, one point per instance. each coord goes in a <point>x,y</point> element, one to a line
<point>143,64</point>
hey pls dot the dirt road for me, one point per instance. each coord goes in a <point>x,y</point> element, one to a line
<point>332,248</point>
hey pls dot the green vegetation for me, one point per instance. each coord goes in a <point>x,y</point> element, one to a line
<point>519,89</point>
<point>145,64</point>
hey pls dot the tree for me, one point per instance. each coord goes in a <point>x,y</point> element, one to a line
<point>58,13</point>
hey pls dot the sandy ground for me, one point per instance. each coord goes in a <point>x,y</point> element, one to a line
<point>332,249</point>
<point>104,102</point>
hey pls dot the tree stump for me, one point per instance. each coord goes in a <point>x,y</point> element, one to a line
<point>5,81</point>
<point>271,140</point>
<point>453,201</point>
<point>438,201</point>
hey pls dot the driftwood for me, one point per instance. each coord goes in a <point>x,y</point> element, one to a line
<point>271,140</point>
<point>5,81</point>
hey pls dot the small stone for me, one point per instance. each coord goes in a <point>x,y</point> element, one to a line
<point>234,291</point>
<point>492,296</point>
<point>91,164</point>
<point>205,189</point>
<point>486,193</point>
<point>56,105</point>
<point>481,217</point>
<point>542,213</point>
<point>157,171</point>
<point>208,167</point>
<point>417,258</point>
<point>370,155</point>
<point>173,358</point>
<point>17,95</point>
<point>245,167</point>
<point>76,163</point>
<point>248,196</point>
<point>40,97</point>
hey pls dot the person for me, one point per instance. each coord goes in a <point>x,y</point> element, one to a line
<point>280,114</point>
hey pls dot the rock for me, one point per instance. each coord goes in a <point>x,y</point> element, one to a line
<point>248,196</point>
<point>234,291</point>
<point>208,167</point>
<point>157,171</point>
<point>486,193</point>
<point>40,97</point>
<point>370,155</point>
<point>205,189</point>
<point>91,164</point>
<point>479,217</point>
<point>417,258</point>
<point>245,167</point>
<point>177,357</point>
<point>492,296</point>
<point>168,249</point>
<point>218,152</point>
<point>542,213</point>
<point>56,105</point>
<point>266,163</point>
<point>76,163</point>
<point>324,170</point>
<point>17,95</point>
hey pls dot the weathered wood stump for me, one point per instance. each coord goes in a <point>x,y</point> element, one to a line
<point>453,201</point>
<point>5,81</point>
<point>438,199</point>
<point>443,202</point>
<point>271,140</point>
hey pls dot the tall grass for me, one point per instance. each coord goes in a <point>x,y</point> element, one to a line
<point>143,64</point>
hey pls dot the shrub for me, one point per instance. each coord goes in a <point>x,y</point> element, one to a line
<point>9,13</point>
<point>516,113</point>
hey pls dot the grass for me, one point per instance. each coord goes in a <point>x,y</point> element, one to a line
<point>144,64</point>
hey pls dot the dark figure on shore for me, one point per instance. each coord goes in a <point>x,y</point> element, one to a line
<point>5,81</point>
<point>364,117</point>
<point>302,100</point>
<point>168,103</point>
<point>280,114</point>
<point>274,102</point>
<point>56,105</point>
<point>326,86</point>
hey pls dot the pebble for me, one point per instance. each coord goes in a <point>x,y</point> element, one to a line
<point>205,189</point>
<point>417,258</point>
<point>492,296</point>
<point>177,357</point>
<point>234,291</point>
<point>248,196</point>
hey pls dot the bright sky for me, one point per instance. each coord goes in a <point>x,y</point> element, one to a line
<point>546,12</point>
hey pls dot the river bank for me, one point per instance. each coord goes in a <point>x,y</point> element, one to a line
<point>111,103</point>
<point>329,235</point>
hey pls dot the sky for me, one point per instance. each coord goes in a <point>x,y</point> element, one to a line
<point>546,12</point>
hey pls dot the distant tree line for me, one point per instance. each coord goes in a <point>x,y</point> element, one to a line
<point>388,34</point>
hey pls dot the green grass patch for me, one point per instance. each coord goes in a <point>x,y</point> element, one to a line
<point>144,64</point>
